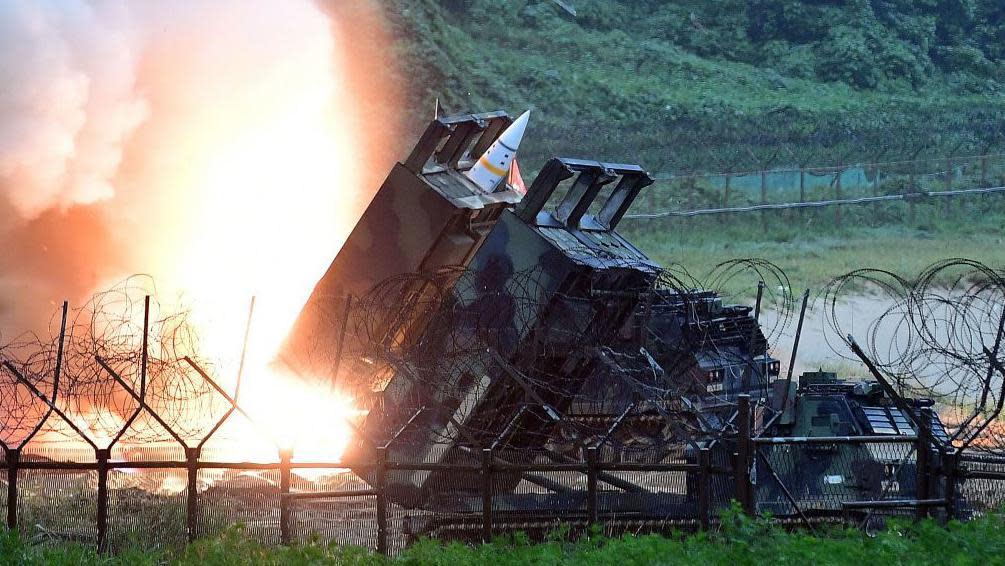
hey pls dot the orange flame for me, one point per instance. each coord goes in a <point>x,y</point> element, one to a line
<point>275,187</point>
<point>243,181</point>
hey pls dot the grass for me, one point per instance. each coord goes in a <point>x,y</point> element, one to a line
<point>624,82</point>
<point>635,82</point>
<point>641,83</point>
<point>741,540</point>
<point>811,252</point>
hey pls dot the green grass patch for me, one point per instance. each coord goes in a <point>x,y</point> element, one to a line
<point>685,85</point>
<point>812,252</point>
<point>740,540</point>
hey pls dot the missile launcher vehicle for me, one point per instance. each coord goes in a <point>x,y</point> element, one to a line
<point>483,320</point>
<point>427,215</point>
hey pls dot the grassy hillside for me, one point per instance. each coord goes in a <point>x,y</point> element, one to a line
<point>688,84</point>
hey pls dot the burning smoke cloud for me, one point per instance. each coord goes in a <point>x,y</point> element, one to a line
<point>68,103</point>
<point>224,147</point>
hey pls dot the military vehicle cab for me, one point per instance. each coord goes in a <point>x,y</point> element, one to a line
<point>824,405</point>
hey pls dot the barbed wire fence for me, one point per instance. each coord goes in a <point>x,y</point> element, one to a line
<point>116,424</point>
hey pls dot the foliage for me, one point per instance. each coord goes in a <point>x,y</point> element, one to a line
<point>689,85</point>
<point>740,540</point>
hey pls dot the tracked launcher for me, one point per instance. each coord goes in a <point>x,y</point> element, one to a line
<point>426,215</point>
<point>500,331</point>
<point>493,359</point>
<point>548,312</point>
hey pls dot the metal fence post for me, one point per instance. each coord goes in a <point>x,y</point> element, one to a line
<point>284,491</point>
<point>591,485</point>
<point>725,195</point>
<point>689,194</point>
<point>381,481</point>
<point>924,451</point>
<point>951,462</point>
<point>948,180</point>
<point>704,469</point>
<point>875,193</point>
<point>341,339</point>
<point>743,486</point>
<point>912,187</point>
<point>13,461</point>
<point>838,196</point>
<point>764,200</point>
<point>102,455</point>
<point>652,204</point>
<point>802,186</point>
<point>486,495</point>
<point>191,507</point>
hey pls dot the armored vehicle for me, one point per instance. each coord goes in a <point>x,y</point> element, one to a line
<point>526,327</point>
<point>822,476</point>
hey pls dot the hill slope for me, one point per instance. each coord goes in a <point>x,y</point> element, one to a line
<point>695,85</point>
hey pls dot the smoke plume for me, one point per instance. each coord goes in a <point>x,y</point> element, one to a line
<point>213,144</point>
<point>69,101</point>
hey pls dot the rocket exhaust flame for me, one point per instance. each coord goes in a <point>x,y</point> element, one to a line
<point>217,147</point>
<point>127,392</point>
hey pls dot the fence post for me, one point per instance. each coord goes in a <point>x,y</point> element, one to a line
<point>875,193</point>
<point>486,495</point>
<point>764,200</point>
<point>191,507</point>
<point>924,464</point>
<point>591,485</point>
<point>742,471</point>
<point>802,189</point>
<point>102,455</point>
<point>837,194</point>
<point>704,468</point>
<point>951,462</point>
<point>984,171</point>
<point>285,455</point>
<point>341,339</point>
<point>726,193</point>
<point>948,180</point>
<point>652,204</point>
<point>13,461</point>
<point>912,187</point>
<point>381,481</point>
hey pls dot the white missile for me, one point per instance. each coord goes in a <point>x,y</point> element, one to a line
<point>495,163</point>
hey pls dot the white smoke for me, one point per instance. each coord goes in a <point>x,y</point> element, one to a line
<point>68,100</point>
<point>217,145</point>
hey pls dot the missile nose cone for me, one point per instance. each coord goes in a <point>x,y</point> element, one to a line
<point>514,133</point>
<point>495,163</point>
